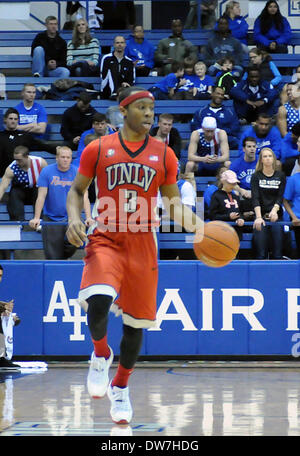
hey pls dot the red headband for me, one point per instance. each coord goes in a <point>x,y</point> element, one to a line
<point>136,96</point>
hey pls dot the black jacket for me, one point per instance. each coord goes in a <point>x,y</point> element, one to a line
<point>55,48</point>
<point>222,204</point>
<point>113,73</point>
<point>74,122</point>
<point>175,141</point>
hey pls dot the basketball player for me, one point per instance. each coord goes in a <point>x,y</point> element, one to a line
<point>120,270</point>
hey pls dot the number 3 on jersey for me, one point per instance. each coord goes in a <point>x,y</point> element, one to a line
<point>130,196</point>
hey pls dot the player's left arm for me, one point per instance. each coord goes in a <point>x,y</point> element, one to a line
<point>180,213</point>
<point>76,229</point>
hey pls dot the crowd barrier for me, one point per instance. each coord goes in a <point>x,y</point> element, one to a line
<point>247,308</point>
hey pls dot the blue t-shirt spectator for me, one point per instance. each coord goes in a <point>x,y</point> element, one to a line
<point>244,171</point>
<point>272,139</point>
<point>168,82</point>
<point>292,192</point>
<point>202,85</point>
<point>142,53</point>
<point>37,113</point>
<point>289,147</point>
<point>58,184</point>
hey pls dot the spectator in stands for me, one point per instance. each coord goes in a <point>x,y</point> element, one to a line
<point>116,70</point>
<point>54,184</point>
<point>49,52</point>
<point>223,44</point>
<point>207,14</point>
<point>8,320</point>
<point>210,190</point>
<point>32,115</point>
<point>208,149</point>
<point>225,116</point>
<point>295,79</point>
<point>289,150</point>
<point>244,167</point>
<point>186,91</point>
<point>225,78</point>
<point>140,51</point>
<point>99,128</point>
<point>253,96</point>
<point>267,188</point>
<point>22,175</point>
<point>113,114</point>
<point>77,119</point>
<point>291,202</point>
<point>296,168</point>
<point>83,51</point>
<point>166,88</point>
<point>271,31</point>
<point>265,135</point>
<point>237,24</point>
<point>11,137</point>
<point>166,133</point>
<point>289,113</point>
<point>203,83</point>
<point>268,70</point>
<point>187,194</point>
<point>225,204</point>
<point>173,49</point>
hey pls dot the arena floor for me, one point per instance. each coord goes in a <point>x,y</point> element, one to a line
<point>169,399</point>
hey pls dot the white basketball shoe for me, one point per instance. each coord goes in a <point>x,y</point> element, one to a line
<point>98,380</point>
<point>121,410</point>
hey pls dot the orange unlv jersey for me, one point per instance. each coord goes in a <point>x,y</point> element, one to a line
<point>127,178</point>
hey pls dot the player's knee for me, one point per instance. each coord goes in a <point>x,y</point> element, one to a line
<point>98,307</point>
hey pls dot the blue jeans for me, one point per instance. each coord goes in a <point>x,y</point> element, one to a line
<point>273,233</point>
<point>82,68</point>
<point>39,65</point>
<point>159,94</point>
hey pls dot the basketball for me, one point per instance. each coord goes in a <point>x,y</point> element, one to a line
<point>219,246</point>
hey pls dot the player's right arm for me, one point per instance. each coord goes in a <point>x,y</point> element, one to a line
<point>76,233</point>
<point>180,213</point>
<point>6,180</point>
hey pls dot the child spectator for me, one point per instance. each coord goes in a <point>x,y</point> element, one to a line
<point>203,83</point>
<point>186,90</point>
<point>225,204</point>
<point>225,77</point>
<point>198,84</point>
<point>165,89</point>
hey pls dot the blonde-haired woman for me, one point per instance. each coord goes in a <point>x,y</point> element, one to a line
<point>237,24</point>
<point>83,51</point>
<point>267,188</point>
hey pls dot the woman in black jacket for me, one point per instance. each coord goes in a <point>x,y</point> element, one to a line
<point>267,187</point>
